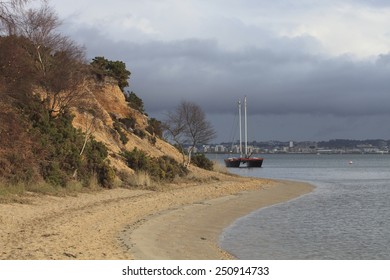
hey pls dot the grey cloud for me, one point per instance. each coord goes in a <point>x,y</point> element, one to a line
<point>283,80</point>
<point>321,94</point>
<point>375,3</point>
<point>227,49</point>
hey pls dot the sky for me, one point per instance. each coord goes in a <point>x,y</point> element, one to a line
<point>311,69</point>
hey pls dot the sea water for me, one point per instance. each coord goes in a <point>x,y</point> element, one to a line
<point>346,217</point>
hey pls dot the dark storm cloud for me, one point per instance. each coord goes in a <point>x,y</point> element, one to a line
<point>284,80</point>
<point>311,69</point>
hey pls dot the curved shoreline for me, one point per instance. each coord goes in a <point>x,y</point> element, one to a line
<point>45,228</point>
<point>193,231</point>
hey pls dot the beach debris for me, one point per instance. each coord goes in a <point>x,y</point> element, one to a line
<point>69,255</point>
<point>49,234</point>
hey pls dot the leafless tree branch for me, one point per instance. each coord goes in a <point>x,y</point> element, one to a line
<point>9,11</point>
<point>187,124</point>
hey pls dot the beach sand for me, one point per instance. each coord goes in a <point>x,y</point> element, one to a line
<point>192,232</point>
<point>136,224</point>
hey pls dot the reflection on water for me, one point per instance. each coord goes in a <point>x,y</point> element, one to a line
<point>345,217</point>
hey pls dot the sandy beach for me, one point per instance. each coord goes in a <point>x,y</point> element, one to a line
<point>181,222</point>
<point>192,232</point>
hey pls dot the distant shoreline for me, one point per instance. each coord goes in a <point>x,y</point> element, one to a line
<point>192,231</point>
<point>304,153</point>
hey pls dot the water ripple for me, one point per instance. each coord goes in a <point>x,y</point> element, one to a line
<point>346,217</point>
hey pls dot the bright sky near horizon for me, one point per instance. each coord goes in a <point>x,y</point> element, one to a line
<point>311,69</point>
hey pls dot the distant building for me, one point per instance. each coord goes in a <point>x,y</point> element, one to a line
<point>238,150</point>
<point>219,149</point>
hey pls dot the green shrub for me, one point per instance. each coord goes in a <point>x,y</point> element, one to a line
<point>96,164</point>
<point>201,161</point>
<point>106,175</point>
<point>152,140</point>
<point>171,168</point>
<point>129,123</point>
<point>162,168</point>
<point>59,149</point>
<point>60,145</point>
<point>15,168</point>
<point>154,127</point>
<point>53,174</point>
<point>140,133</point>
<point>122,135</point>
<point>135,102</point>
<point>136,159</point>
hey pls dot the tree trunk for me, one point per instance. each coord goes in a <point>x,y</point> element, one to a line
<point>189,156</point>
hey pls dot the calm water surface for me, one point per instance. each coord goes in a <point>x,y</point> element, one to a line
<point>347,216</point>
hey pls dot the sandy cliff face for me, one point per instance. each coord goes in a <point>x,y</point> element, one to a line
<point>96,113</point>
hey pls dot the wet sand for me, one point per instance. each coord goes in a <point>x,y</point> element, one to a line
<point>192,231</point>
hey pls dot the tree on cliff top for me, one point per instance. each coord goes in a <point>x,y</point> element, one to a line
<point>115,69</point>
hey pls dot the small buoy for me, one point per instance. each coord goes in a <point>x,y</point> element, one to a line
<point>350,162</point>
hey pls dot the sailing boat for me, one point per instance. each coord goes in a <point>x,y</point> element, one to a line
<point>245,159</point>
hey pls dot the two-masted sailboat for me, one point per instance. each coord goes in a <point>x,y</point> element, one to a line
<point>245,158</point>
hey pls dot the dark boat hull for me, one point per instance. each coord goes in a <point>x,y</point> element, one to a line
<point>233,162</point>
<point>248,162</point>
<point>253,162</point>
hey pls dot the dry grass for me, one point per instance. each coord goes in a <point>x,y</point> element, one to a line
<point>218,167</point>
<point>11,193</point>
<point>21,191</point>
<point>139,179</point>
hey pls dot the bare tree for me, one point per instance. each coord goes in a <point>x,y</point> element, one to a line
<point>174,126</point>
<point>9,14</point>
<point>60,63</point>
<point>187,124</point>
<point>40,26</point>
<point>65,83</point>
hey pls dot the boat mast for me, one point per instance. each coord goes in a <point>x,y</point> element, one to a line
<point>239,122</point>
<point>246,129</point>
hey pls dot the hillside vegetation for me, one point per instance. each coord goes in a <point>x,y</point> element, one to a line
<point>66,123</point>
